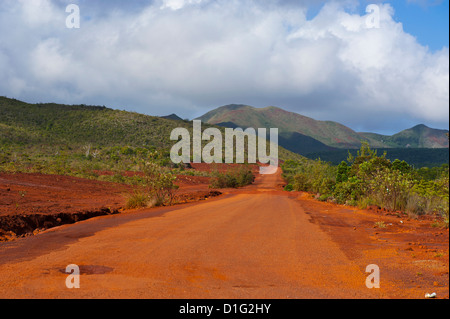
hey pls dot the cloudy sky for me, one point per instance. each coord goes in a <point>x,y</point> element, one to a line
<point>382,71</point>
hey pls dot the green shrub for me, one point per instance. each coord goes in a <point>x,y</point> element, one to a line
<point>342,172</point>
<point>236,177</point>
<point>391,189</point>
<point>374,180</point>
<point>301,182</point>
<point>137,199</point>
<point>160,183</point>
<point>364,202</point>
<point>350,190</point>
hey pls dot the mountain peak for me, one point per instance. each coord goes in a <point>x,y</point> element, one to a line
<point>419,127</point>
<point>172,116</point>
<point>233,107</point>
<point>294,127</point>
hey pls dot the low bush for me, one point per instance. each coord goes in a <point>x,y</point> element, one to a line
<point>159,183</point>
<point>137,199</point>
<point>236,177</point>
<point>369,179</point>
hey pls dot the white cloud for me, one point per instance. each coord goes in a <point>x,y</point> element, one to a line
<point>187,56</point>
<point>178,4</point>
<point>36,13</point>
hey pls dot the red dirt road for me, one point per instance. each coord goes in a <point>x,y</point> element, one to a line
<point>256,242</point>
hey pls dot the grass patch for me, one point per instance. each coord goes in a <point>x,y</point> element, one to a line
<point>379,224</point>
<point>137,199</point>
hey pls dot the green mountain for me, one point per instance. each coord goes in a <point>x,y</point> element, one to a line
<point>30,132</point>
<point>54,128</point>
<point>419,136</point>
<point>331,134</point>
<point>35,125</point>
<point>305,135</point>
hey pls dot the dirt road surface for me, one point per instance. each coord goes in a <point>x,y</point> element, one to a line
<point>256,242</point>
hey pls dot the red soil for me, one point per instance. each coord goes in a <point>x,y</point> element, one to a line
<point>412,253</point>
<point>25,196</point>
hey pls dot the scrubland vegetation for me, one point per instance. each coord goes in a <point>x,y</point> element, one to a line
<point>371,179</point>
<point>84,141</point>
<point>149,171</point>
<point>236,177</point>
<point>158,187</point>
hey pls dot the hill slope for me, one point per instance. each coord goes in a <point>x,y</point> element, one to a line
<point>48,128</point>
<point>329,133</point>
<point>305,135</point>
<point>55,124</point>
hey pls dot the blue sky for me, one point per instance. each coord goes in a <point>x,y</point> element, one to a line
<point>318,58</point>
<point>429,23</point>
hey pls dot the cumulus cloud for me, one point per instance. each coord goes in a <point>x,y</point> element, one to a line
<point>188,56</point>
<point>178,4</point>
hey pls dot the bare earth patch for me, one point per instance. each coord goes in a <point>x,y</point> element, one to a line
<point>32,202</point>
<point>411,253</point>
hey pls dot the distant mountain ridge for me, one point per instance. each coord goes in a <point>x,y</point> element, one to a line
<point>303,135</point>
<point>56,126</point>
<point>419,136</point>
